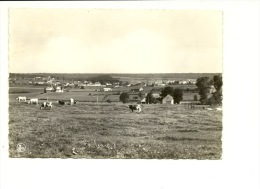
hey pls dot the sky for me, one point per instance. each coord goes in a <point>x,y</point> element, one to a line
<point>114,41</point>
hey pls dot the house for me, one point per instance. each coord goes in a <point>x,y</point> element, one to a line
<point>97,84</point>
<point>150,83</point>
<point>49,89</point>
<point>137,89</point>
<point>168,100</point>
<point>183,82</point>
<point>59,89</point>
<point>106,89</point>
<point>192,81</point>
<point>143,101</point>
<point>40,83</point>
<point>158,82</point>
<point>82,85</point>
<point>212,89</point>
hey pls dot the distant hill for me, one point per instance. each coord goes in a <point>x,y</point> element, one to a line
<point>111,76</point>
<point>103,79</point>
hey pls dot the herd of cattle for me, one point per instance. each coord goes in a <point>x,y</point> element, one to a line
<point>48,105</point>
<point>45,105</point>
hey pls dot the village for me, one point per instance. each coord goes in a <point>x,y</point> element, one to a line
<point>110,90</point>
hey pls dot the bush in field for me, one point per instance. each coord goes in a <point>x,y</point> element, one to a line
<point>217,80</point>
<point>135,97</point>
<point>44,90</point>
<point>124,97</point>
<point>195,97</point>
<point>150,98</point>
<point>216,98</point>
<point>177,95</point>
<point>203,84</point>
<point>167,91</point>
<point>109,101</point>
<point>140,95</point>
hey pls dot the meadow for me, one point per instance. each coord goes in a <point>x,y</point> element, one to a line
<point>111,130</point>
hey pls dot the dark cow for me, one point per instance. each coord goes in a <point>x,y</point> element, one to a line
<point>135,107</point>
<point>61,102</point>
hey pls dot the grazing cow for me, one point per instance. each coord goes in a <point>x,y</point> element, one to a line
<point>46,105</point>
<point>135,107</point>
<point>61,102</point>
<point>21,98</point>
<point>33,101</point>
<point>72,101</point>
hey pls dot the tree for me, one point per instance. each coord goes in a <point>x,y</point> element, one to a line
<point>124,97</point>
<point>195,97</point>
<point>140,95</point>
<point>217,80</point>
<point>166,91</point>
<point>150,98</point>
<point>44,90</point>
<point>203,84</point>
<point>177,95</point>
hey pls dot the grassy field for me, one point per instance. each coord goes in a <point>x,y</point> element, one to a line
<point>111,130</point>
<point>82,95</point>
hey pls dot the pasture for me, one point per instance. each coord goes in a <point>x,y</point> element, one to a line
<point>111,130</point>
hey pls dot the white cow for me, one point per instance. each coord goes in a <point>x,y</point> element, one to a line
<point>135,107</point>
<point>46,105</point>
<point>72,101</point>
<point>33,101</point>
<point>21,98</point>
<point>219,109</point>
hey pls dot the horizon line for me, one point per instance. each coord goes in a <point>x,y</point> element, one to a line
<point>117,73</point>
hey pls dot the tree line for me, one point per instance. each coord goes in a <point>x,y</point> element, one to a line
<point>204,85</point>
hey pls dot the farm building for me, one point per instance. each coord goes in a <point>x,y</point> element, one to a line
<point>168,100</point>
<point>49,89</point>
<point>40,83</point>
<point>82,85</point>
<point>212,89</point>
<point>143,101</point>
<point>183,82</point>
<point>137,89</point>
<point>59,90</point>
<point>97,84</point>
<point>106,89</point>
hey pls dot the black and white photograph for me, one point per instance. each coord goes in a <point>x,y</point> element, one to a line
<point>129,94</point>
<point>104,83</point>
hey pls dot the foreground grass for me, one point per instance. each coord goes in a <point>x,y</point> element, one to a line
<point>113,131</point>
